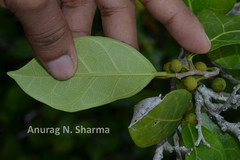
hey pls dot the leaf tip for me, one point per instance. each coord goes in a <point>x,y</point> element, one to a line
<point>11,74</point>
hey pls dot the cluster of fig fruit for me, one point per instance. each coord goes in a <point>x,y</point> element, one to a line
<point>190,116</point>
<point>190,82</point>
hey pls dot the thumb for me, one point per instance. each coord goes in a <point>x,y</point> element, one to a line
<point>48,34</point>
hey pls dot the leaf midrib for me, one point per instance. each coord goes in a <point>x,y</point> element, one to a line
<point>93,75</point>
<point>193,139</point>
<point>214,38</point>
<point>164,120</point>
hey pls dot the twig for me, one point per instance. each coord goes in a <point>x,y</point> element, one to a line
<point>187,61</point>
<point>229,77</point>
<point>204,97</point>
<point>181,54</point>
<point>180,128</point>
<point>176,144</point>
<point>159,151</point>
<point>205,74</point>
<point>227,126</point>
<point>232,99</point>
<point>182,58</point>
<point>199,120</point>
<point>224,74</point>
<point>168,147</point>
<point>222,96</point>
<point>164,145</point>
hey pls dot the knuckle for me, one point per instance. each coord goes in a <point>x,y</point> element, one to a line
<point>49,39</point>
<point>25,5</point>
<point>170,19</point>
<point>108,8</point>
<point>74,3</point>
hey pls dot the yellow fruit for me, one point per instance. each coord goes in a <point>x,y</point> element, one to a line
<point>200,66</point>
<point>218,84</point>
<point>189,83</point>
<point>191,118</point>
<point>166,67</point>
<point>175,66</point>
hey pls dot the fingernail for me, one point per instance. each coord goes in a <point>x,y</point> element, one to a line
<point>208,39</point>
<point>61,68</point>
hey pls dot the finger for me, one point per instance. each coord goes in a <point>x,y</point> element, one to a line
<point>48,34</point>
<point>119,20</point>
<point>79,15</point>
<point>2,4</point>
<point>181,23</point>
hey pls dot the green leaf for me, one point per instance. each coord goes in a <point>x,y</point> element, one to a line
<point>215,152</point>
<point>222,30</point>
<point>108,70</point>
<point>197,5</point>
<point>227,56</point>
<point>230,144</point>
<point>220,6</point>
<point>162,120</point>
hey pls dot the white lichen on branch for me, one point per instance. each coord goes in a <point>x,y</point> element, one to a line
<point>204,74</point>
<point>199,120</point>
<point>176,143</point>
<point>204,97</point>
<point>165,145</point>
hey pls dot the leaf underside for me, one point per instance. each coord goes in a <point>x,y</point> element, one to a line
<point>108,70</point>
<point>162,120</point>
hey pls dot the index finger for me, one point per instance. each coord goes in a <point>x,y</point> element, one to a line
<point>181,23</point>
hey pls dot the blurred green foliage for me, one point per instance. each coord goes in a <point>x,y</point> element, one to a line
<point>18,111</point>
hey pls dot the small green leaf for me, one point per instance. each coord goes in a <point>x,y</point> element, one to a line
<point>190,135</point>
<point>222,30</point>
<point>230,144</point>
<point>220,6</point>
<point>108,70</point>
<point>162,120</point>
<point>227,56</point>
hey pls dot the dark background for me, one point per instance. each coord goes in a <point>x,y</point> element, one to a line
<point>18,111</point>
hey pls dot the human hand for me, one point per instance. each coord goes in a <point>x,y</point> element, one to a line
<point>49,26</point>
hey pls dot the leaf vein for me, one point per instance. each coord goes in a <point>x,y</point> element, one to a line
<point>112,61</point>
<point>234,31</point>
